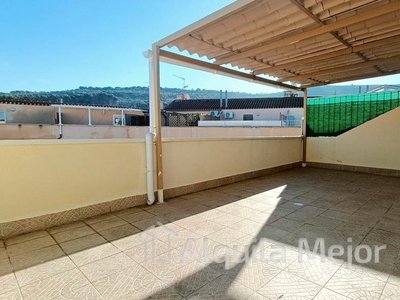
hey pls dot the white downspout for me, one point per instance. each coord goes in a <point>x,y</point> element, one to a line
<point>90,116</point>
<point>150,135</point>
<point>60,122</point>
<point>150,167</point>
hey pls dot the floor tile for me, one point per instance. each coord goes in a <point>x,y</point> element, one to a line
<point>205,228</point>
<point>66,227</point>
<point>156,290</point>
<point>179,238</point>
<point>324,222</point>
<point>73,233</point>
<point>36,257</point>
<point>127,211</point>
<point>129,241</point>
<point>377,271</point>
<point>317,269</point>
<point>286,224</point>
<point>190,278</point>
<point>107,266</point>
<point>119,232</point>
<point>14,294</point>
<point>146,223</point>
<point>31,245</point>
<point>226,219</point>
<point>225,235</point>
<point>326,294</point>
<point>361,217</point>
<point>3,253</point>
<point>280,211</point>
<point>107,224</point>
<point>82,243</point>
<point>355,285</point>
<point>272,233</point>
<point>5,267</point>
<point>335,214</point>
<point>166,263</point>
<point>222,288</point>
<point>55,286</point>
<point>44,270</point>
<point>26,237</point>
<point>124,284</point>
<point>8,282</point>
<point>137,216</point>
<point>253,274</point>
<point>87,292</point>
<point>390,291</point>
<point>248,226</point>
<point>288,285</point>
<point>93,253</point>
<point>280,255</point>
<point>99,218</point>
<point>147,250</point>
<point>265,218</point>
<point>385,237</point>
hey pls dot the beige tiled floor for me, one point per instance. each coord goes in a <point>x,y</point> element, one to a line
<point>234,242</point>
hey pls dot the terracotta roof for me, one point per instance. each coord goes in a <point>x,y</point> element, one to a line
<point>24,102</point>
<point>242,103</point>
<point>46,103</point>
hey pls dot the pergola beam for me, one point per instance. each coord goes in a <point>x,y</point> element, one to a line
<point>358,77</point>
<point>184,61</point>
<point>379,11</point>
<point>366,64</point>
<point>333,54</point>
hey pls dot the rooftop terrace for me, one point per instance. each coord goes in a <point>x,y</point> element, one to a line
<point>104,257</point>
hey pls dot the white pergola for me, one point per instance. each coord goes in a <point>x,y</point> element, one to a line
<point>297,43</point>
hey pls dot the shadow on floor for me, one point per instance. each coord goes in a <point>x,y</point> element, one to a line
<point>238,241</point>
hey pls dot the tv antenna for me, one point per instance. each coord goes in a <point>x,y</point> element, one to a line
<point>184,86</point>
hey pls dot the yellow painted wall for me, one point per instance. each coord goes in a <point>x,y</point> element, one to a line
<point>41,177</point>
<point>374,144</point>
<point>193,161</point>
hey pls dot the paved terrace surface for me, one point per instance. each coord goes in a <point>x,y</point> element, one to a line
<point>104,257</point>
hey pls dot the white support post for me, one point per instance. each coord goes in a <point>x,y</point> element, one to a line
<point>149,55</point>
<point>122,118</point>
<point>155,87</point>
<point>304,133</point>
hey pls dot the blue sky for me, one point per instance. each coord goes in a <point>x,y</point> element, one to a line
<point>49,45</point>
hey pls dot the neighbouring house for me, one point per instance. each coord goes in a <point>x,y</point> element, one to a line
<point>285,111</point>
<point>27,119</point>
<point>24,112</point>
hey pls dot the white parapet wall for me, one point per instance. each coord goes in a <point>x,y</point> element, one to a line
<point>236,123</point>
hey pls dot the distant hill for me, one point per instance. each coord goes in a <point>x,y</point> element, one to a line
<point>137,96</point>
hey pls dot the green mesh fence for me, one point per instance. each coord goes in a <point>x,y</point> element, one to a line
<point>331,116</point>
